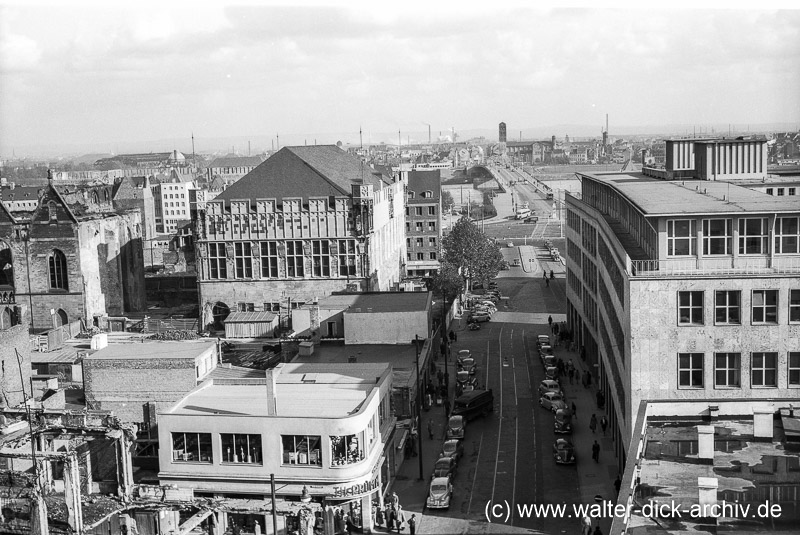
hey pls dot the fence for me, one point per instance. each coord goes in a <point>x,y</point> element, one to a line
<point>714,267</point>
<point>55,338</point>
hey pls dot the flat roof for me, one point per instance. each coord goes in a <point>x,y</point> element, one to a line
<point>154,350</point>
<point>303,390</point>
<point>380,301</point>
<point>655,197</point>
<point>250,317</point>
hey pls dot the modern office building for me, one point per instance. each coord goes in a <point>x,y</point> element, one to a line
<point>306,223</point>
<point>682,283</point>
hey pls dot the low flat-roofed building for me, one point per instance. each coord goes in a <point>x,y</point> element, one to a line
<point>714,467</point>
<point>322,428</point>
<point>124,378</point>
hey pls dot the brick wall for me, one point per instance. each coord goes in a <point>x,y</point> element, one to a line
<point>13,341</point>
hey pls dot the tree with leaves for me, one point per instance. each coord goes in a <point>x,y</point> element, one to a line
<point>447,281</point>
<point>470,252</point>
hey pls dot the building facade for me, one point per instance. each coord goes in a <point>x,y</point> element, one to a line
<point>423,223</point>
<point>231,168</point>
<point>683,289</point>
<point>173,204</point>
<point>307,222</point>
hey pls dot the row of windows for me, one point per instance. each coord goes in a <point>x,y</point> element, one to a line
<point>717,236</point>
<point>419,226</point>
<point>728,370</point>
<point>781,191</point>
<point>292,254</point>
<point>423,195</point>
<point>175,195</point>
<point>420,242</point>
<point>764,307</point>
<point>174,212</point>
<point>418,210</point>
<point>420,256</point>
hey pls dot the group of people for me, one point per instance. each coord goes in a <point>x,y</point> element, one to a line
<point>393,515</point>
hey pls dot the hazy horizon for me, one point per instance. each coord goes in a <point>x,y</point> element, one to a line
<point>99,77</point>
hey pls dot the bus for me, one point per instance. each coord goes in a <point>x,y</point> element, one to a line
<point>522,213</point>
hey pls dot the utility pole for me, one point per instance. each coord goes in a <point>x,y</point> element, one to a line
<point>360,138</point>
<point>278,138</point>
<point>419,410</point>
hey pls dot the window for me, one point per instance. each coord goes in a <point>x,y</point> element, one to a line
<point>418,226</point>
<point>408,243</point>
<point>433,256</point>
<point>301,449</point>
<point>418,210</point>
<point>243,256</point>
<point>420,256</point>
<point>238,448</point>
<point>770,191</point>
<point>431,210</point>
<point>765,306</point>
<point>407,210</point>
<point>794,368</point>
<point>410,194</point>
<point>246,307</point>
<point>269,259</point>
<point>717,236</point>
<point>726,307</point>
<point>191,447</point>
<point>690,370</point>
<point>780,192</point>
<point>408,226</point>
<point>420,242</point>
<point>787,235</point>
<point>690,308</point>
<point>792,191</point>
<point>753,236</point>
<point>346,449</point>
<point>431,226</point>
<point>294,258</point>
<point>57,266</point>
<point>347,257</point>
<point>727,372</point>
<point>764,370</point>
<point>427,194</point>
<point>794,306</point>
<point>431,242</point>
<point>321,258</point>
<point>681,237</point>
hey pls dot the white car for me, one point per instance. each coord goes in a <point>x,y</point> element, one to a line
<point>553,401</point>
<point>439,494</point>
<point>480,317</point>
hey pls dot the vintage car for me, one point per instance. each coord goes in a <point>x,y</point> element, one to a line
<point>548,385</point>
<point>456,426</point>
<point>453,448</point>
<point>563,451</point>
<point>439,494</point>
<point>553,401</point>
<point>445,467</point>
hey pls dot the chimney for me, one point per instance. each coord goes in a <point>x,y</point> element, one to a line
<point>707,490</point>
<point>272,397</point>
<point>762,424</point>
<point>705,442</point>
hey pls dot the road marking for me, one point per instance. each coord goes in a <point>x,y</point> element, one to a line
<point>533,411</point>
<point>474,476</point>
<point>500,419</point>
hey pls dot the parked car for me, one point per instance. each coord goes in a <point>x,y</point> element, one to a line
<point>553,401</point>
<point>456,426</point>
<point>563,422</point>
<point>563,451</point>
<point>548,385</point>
<point>439,493</point>
<point>548,361</point>
<point>542,340</point>
<point>463,354</point>
<point>463,378</point>
<point>472,404</point>
<point>531,219</point>
<point>453,448</point>
<point>480,317</point>
<point>445,467</point>
<point>468,365</point>
<point>551,372</point>
<point>504,266</point>
<point>545,350</point>
<point>474,326</point>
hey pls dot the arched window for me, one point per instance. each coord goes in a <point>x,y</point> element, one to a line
<point>57,266</point>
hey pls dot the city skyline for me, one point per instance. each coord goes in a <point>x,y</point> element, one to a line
<point>100,78</point>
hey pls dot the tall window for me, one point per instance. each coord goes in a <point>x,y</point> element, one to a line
<point>347,257</point>
<point>690,308</point>
<point>787,235</point>
<point>321,258</point>
<point>794,368</point>
<point>217,265</point>
<point>753,236</point>
<point>431,226</point>
<point>690,370</point>
<point>418,226</point>
<point>301,449</point>
<point>764,369</point>
<point>346,449</point>
<point>294,258</point>
<point>57,266</point>
<point>765,306</point>
<point>727,307</point>
<point>431,210</point>
<point>794,306</point>
<point>191,447</point>
<point>420,242</point>
<point>433,256</point>
<point>269,259</point>
<point>420,256</point>
<point>238,448</point>
<point>717,236</point>
<point>727,370</point>
<point>243,255</point>
<point>418,210</point>
<point>681,237</point>
<point>431,242</point>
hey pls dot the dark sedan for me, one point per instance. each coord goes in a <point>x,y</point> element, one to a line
<point>445,467</point>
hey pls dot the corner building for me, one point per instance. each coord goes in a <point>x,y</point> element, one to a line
<point>307,222</point>
<point>682,286</point>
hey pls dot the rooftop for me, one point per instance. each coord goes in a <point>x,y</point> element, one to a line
<point>154,350</point>
<point>302,390</point>
<point>656,197</point>
<point>377,302</point>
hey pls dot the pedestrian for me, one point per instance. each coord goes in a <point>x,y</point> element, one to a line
<point>392,518</point>
<point>570,365</point>
<point>574,411</point>
<point>546,281</point>
<point>412,524</point>
<point>545,276</point>
<point>617,484</point>
<point>401,518</point>
<point>414,437</point>
<point>597,530</point>
<point>428,401</point>
<point>603,424</point>
<point>583,353</point>
<point>552,275</point>
<point>452,336</point>
<point>588,379</point>
<point>571,374</point>
<point>440,376</point>
<point>593,423</point>
<point>596,452</point>
<point>430,429</point>
<point>387,514</point>
<point>586,525</point>
<point>601,400</point>
<point>550,321</point>
<point>379,516</point>
<point>257,528</point>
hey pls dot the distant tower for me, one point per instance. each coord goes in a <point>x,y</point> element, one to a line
<point>502,132</point>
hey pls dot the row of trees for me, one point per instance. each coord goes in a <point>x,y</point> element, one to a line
<point>467,255</point>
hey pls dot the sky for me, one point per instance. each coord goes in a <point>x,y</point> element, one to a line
<point>96,76</point>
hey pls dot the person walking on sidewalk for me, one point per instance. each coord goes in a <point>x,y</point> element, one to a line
<point>596,452</point>
<point>550,322</point>
<point>412,524</point>
<point>571,374</point>
<point>586,525</point>
<point>430,429</point>
<point>603,424</point>
<point>593,423</point>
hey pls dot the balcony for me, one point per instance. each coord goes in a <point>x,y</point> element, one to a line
<point>712,266</point>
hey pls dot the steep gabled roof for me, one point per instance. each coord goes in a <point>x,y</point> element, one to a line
<point>318,170</point>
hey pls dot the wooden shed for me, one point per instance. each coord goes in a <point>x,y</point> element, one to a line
<point>250,324</point>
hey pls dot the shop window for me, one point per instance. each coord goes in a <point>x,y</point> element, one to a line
<point>237,448</point>
<point>345,450</point>
<point>301,449</point>
<point>191,447</point>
